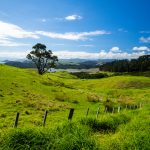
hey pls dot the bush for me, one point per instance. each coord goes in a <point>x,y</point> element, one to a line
<point>108,124</point>
<point>93,98</point>
<point>86,75</point>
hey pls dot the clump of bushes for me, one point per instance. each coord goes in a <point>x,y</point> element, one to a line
<point>93,98</point>
<point>109,124</point>
<point>66,137</point>
<point>86,75</point>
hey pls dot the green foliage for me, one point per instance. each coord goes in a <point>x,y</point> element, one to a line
<point>86,75</point>
<point>133,135</point>
<point>139,65</point>
<point>24,91</point>
<point>43,59</point>
<point>106,124</point>
<point>92,97</point>
<point>67,137</point>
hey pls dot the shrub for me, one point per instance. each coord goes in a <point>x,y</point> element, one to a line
<point>86,75</point>
<point>108,124</point>
<point>93,98</point>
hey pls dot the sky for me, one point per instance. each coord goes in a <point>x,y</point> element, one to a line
<point>86,29</point>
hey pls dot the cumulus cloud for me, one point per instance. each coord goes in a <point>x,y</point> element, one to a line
<point>8,31</point>
<point>141,48</point>
<point>13,55</point>
<point>75,54</point>
<point>72,35</point>
<point>145,40</point>
<point>120,55</point>
<point>73,17</point>
<point>115,49</point>
<point>65,54</point>
<point>13,31</point>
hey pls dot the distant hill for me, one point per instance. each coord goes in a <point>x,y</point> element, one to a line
<point>62,64</point>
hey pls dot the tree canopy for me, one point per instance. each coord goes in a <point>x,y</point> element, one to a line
<point>141,64</point>
<point>43,59</point>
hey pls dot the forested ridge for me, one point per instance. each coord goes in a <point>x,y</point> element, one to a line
<point>134,65</point>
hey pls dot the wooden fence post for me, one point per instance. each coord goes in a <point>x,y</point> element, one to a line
<point>71,114</point>
<point>105,109</point>
<point>97,112</point>
<point>45,116</point>
<point>118,109</point>
<point>16,121</point>
<point>140,105</point>
<point>87,112</point>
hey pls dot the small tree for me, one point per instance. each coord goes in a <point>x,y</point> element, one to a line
<point>43,59</point>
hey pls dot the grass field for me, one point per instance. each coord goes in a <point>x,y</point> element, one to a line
<point>30,94</point>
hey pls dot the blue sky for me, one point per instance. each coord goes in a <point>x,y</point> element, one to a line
<point>90,29</point>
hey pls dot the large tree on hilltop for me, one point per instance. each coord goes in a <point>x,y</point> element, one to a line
<point>43,59</point>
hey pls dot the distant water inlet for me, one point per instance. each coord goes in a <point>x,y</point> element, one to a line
<point>75,70</point>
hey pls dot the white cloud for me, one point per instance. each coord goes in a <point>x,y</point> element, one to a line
<point>147,32</point>
<point>122,30</point>
<point>59,44</point>
<point>101,55</point>
<point>123,55</point>
<point>86,45</point>
<point>13,55</point>
<point>43,20</point>
<point>72,35</point>
<point>76,54</point>
<point>115,49</point>
<point>145,40</point>
<point>73,17</point>
<point>141,48</point>
<point>7,42</point>
<point>8,30</point>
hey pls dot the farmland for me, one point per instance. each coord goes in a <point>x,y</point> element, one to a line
<point>30,94</point>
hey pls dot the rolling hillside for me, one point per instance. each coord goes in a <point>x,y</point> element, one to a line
<point>24,91</point>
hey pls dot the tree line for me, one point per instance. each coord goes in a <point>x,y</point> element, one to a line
<point>140,64</point>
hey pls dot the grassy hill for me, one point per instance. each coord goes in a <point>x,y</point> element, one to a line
<point>24,91</point>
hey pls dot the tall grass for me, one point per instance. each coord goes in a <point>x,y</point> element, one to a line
<point>70,136</point>
<point>106,124</point>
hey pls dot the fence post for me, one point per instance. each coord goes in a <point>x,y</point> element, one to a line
<point>87,112</point>
<point>71,114</point>
<point>118,109</point>
<point>106,109</point>
<point>140,105</point>
<point>97,112</point>
<point>16,121</point>
<point>113,110</point>
<point>45,116</point>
